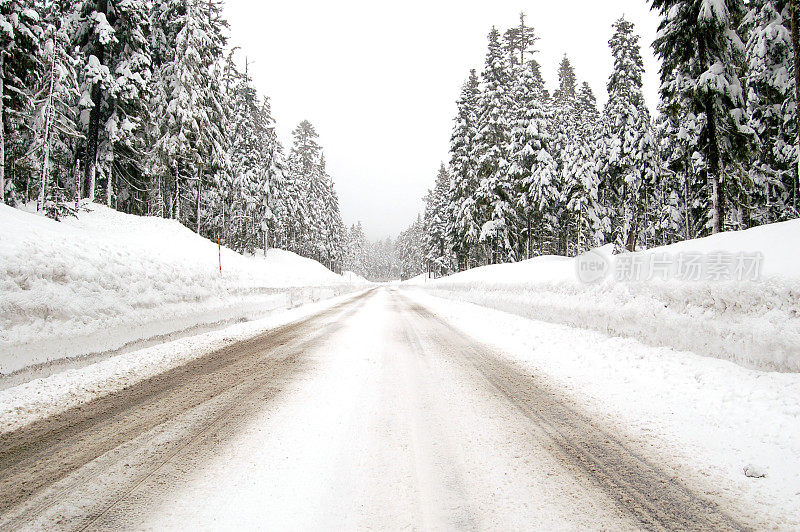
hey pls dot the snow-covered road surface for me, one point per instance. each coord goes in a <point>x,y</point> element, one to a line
<point>375,413</point>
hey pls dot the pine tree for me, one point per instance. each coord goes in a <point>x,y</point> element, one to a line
<point>186,105</point>
<point>437,245</point>
<point>494,195</point>
<point>770,100</point>
<point>54,122</point>
<point>632,165</point>
<point>20,34</point>
<point>700,51</point>
<point>532,166</point>
<point>557,220</point>
<point>464,228</point>
<point>581,160</point>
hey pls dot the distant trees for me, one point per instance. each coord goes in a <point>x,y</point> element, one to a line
<point>136,103</point>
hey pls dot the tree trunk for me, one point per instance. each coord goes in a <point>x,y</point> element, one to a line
<point>528,238</point>
<point>199,193</point>
<point>714,169</point>
<point>93,134</point>
<point>109,183</point>
<point>796,53</point>
<point>48,125</point>
<point>2,131</point>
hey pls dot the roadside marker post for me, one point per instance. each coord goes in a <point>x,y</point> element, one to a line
<point>219,248</point>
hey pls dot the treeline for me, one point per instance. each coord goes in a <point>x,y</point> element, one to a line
<point>534,173</point>
<point>139,104</point>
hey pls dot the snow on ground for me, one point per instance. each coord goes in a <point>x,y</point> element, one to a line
<point>710,418</point>
<point>704,295</point>
<point>382,433</point>
<point>106,279</point>
<point>45,397</point>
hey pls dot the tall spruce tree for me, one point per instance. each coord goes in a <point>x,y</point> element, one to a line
<point>464,228</point>
<point>701,51</point>
<point>20,34</point>
<point>532,166</point>
<point>770,100</point>
<point>494,195</point>
<point>631,149</point>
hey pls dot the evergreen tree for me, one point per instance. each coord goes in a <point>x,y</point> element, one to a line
<point>557,220</point>
<point>581,159</point>
<point>532,166</point>
<point>770,100</point>
<point>186,106</point>
<point>54,122</point>
<point>631,169</point>
<point>464,228</point>
<point>20,34</point>
<point>437,245</point>
<point>700,50</point>
<point>494,195</point>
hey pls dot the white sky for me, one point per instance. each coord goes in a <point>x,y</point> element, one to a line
<point>379,80</point>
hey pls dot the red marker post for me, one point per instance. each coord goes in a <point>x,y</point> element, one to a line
<point>219,246</point>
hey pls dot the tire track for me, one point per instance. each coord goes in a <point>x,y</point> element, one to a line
<point>645,492</point>
<point>41,464</point>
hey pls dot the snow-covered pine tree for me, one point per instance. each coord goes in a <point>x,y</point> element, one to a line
<point>464,228</point>
<point>532,166</point>
<point>246,166</point>
<point>310,190</point>
<point>409,250</point>
<point>494,195</point>
<point>54,121</point>
<point>186,131</point>
<point>126,113</point>
<point>20,34</point>
<point>557,221</point>
<point>630,174</point>
<point>437,245</point>
<point>701,52</point>
<point>770,103</point>
<point>94,35</point>
<point>581,161</point>
<point>273,200</point>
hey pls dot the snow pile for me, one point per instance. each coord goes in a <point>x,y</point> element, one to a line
<point>47,396</point>
<point>107,280</point>
<point>353,277</point>
<point>752,320</point>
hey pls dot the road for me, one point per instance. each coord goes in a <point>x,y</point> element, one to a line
<point>375,413</point>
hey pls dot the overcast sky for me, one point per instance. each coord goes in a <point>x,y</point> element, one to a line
<point>379,80</point>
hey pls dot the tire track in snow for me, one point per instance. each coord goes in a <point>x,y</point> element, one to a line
<point>147,426</point>
<point>640,488</point>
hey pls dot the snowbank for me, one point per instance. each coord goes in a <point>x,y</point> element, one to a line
<point>751,319</point>
<point>353,277</point>
<point>107,280</point>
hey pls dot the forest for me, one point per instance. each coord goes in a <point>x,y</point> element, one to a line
<point>532,173</point>
<point>143,106</point>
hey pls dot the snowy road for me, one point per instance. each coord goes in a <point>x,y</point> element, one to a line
<point>375,413</point>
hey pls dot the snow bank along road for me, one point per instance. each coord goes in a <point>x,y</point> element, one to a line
<point>373,413</point>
